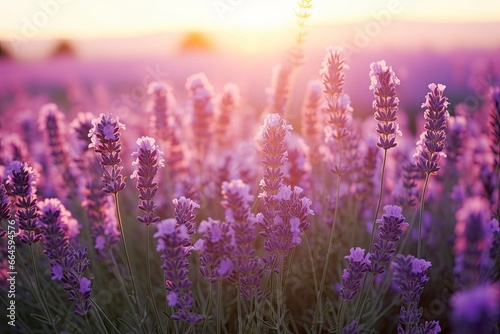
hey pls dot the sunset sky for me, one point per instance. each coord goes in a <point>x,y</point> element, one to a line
<point>117,18</point>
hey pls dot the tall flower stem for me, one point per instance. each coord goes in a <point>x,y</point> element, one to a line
<point>238,305</point>
<point>150,285</point>
<point>104,314</point>
<point>219,305</point>
<point>209,306</point>
<point>380,195</point>
<point>38,293</point>
<point>279,294</point>
<point>422,202</point>
<point>125,248</point>
<point>325,268</point>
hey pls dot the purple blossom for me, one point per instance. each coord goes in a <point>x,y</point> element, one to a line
<point>471,236</point>
<point>184,212</point>
<point>148,160</point>
<point>105,139</point>
<point>410,275</point>
<point>21,183</point>
<point>81,126</point>
<point>175,248</point>
<point>273,134</point>
<point>248,269</point>
<point>67,265</point>
<point>383,83</point>
<point>101,214</point>
<point>310,108</point>
<point>495,128</point>
<point>227,104</point>
<point>391,226</point>
<point>162,105</point>
<point>476,310</point>
<point>201,93</point>
<point>359,263</point>
<point>216,247</point>
<point>279,92</point>
<point>430,147</point>
<point>352,328</point>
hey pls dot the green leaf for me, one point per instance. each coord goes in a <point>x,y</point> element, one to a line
<point>40,318</point>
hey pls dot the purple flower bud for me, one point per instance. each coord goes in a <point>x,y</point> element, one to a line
<point>359,264</point>
<point>383,84</point>
<point>430,147</point>
<point>279,92</point>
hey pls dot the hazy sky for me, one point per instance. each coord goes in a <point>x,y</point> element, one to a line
<point>109,18</point>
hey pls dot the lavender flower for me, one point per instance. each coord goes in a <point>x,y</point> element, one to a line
<point>51,122</point>
<point>81,126</point>
<point>248,270</point>
<point>4,207</point>
<point>273,134</point>
<point>21,183</point>
<point>67,265</point>
<point>148,160</point>
<point>352,328</point>
<point>163,101</point>
<point>310,106</point>
<point>383,84</point>
<point>359,263</point>
<point>476,310</point>
<point>431,144</point>
<point>201,93</point>
<point>391,227</point>
<point>227,104</point>
<point>410,275</point>
<point>175,246</point>
<point>216,247</point>
<point>408,197</point>
<point>103,224</point>
<point>279,92</point>
<point>105,139</point>
<point>471,232</point>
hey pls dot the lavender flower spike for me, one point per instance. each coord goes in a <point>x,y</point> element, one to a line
<point>410,275</point>
<point>273,134</point>
<point>148,160</point>
<point>4,207</point>
<point>391,227</point>
<point>430,147</point>
<point>359,264</point>
<point>105,139</point>
<point>21,183</point>
<point>383,84</point>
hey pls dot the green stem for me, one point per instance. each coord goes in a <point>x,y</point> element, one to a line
<point>125,248</point>
<point>219,305</point>
<point>209,306</point>
<point>380,195</point>
<point>238,304</point>
<point>328,253</point>
<point>422,200</point>
<point>104,314</point>
<point>279,293</point>
<point>150,284</point>
<point>39,293</point>
<point>340,319</point>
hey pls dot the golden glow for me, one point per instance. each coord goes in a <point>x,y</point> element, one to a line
<point>120,18</point>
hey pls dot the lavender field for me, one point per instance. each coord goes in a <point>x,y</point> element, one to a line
<point>304,185</point>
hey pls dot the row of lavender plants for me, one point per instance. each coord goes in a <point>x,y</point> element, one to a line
<point>216,221</point>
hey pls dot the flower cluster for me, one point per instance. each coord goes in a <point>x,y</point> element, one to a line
<point>248,270</point>
<point>163,101</point>
<point>279,92</point>
<point>495,128</point>
<point>227,104</point>
<point>352,328</point>
<point>471,233</point>
<point>67,265</point>
<point>216,247</point>
<point>148,160</point>
<point>201,93</point>
<point>273,134</point>
<point>101,214</point>
<point>21,183</point>
<point>310,107</point>
<point>391,226</point>
<point>105,139</point>
<point>410,275</point>
<point>359,264</point>
<point>431,144</point>
<point>175,248</point>
<point>383,84</point>
<point>476,310</point>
